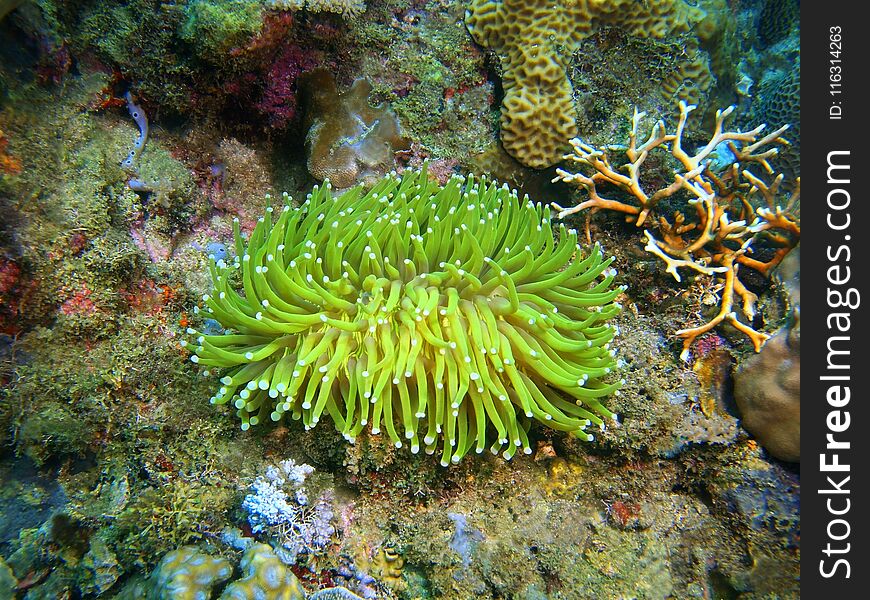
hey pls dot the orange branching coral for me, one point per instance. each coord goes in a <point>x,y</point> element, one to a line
<point>729,207</point>
<point>8,164</point>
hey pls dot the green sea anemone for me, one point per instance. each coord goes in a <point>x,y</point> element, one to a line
<point>431,311</point>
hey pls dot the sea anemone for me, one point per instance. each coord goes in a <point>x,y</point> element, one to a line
<point>431,311</point>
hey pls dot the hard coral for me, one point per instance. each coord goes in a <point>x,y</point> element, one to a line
<point>189,573</point>
<point>348,140</point>
<point>720,196</point>
<point>413,303</point>
<point>532,37</point>
<point>265,576</point>
<point>778,100</point>
<point>186,573</point>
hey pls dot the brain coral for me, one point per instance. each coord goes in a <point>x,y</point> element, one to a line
<point>183,574</point>
<point>189,574</point>
<point>265,577</point>
<point>779,101</point>
<point>449,312</point>
<point>532,36</point>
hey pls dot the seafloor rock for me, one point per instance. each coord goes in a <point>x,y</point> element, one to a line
<point>101,567</point>
<point>768,394</point>
<point>762,499</point>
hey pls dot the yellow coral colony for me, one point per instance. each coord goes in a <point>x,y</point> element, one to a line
<point>532,37</point>
<point>717,240</point>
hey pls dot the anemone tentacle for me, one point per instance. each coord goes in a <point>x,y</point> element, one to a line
<point>450,312</point>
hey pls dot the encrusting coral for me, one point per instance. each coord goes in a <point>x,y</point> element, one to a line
<point>531,38</point>
<point>721,198</point>
<point>450,310</point>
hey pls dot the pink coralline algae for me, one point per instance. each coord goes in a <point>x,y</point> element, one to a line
<point>79,302</point>
<point>439,169</point>
<point>9,274</point>
<point>10,295</point>
<point>157,249</point>
<point>279,103</point>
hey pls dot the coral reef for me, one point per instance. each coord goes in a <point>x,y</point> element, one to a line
<point>403,301</point>
<point>267,505</point>
<point>537,114</point>
<point>776,20</point>
<point>109,465</point>
<point>692,79</point>
<point>190,573</point>
<point>721,192</point>
<point>279,103</point>
<point>778,101</point>
<point>8,583</point>
<point>215,27</point>
<point>7,6</point>
<point>348,141</point>
<point>768,395</point>
<point>465,538</point>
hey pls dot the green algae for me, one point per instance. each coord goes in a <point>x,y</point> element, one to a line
<point>214,27</point>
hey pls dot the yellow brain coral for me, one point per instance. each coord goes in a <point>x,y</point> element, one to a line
<point>532,36</point>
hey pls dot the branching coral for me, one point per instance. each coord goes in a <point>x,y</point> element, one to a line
<point>723,200</point>
<point>426,310</point>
